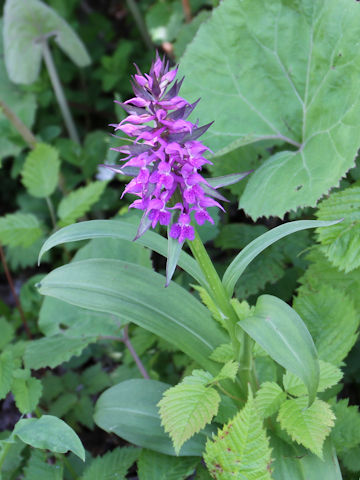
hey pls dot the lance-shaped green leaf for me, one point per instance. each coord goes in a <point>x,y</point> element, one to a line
<point>129,409</point>
<point>279,330</point>
<point>282,70</point>
<point>123,230</point>
<point>242,260</point>
<point>136,294</point>
<point>40,173</point>
<point>24,24</point>
<point>240,449</point>
<point>50,433</point>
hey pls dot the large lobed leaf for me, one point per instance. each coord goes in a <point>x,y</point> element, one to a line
<point>24,23</point>
<point>241,448</point>
<point>283,70</point>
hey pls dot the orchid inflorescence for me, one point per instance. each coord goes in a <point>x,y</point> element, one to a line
<point>165,155</point>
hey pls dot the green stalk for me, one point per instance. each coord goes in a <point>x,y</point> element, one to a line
<point>59,92</point>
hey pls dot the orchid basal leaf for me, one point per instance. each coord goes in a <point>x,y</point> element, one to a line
<point>291,75</point>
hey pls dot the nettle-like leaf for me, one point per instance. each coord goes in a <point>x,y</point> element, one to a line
<point>186,408</point>
<point>114,464</point>
<point>7,332</point>
<point>351,459</point>
<point>156,466</point>
<point>240,449</point>
<point>38,468</point>
<point>50,433</point>
<point>331,318</point>
<point>341,242</point>
<point>329,376</point>
<point>210,304</point>
<point>79,202</point>
<point>6,373</point>
<point>223,353</point>
<point>54,350</point>
<point>346,432</point>
<point>321,273</point>
<point>291,76</point>
<point>24,23</point>
<point>19,229</point>
<point>27,390</point>
<point>228,371</point>
<point>40,173</point>
<point>307,426</point>
<point>269,398</point>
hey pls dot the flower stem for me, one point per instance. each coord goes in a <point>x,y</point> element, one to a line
<point>59,92</point>
<point>13,291</point>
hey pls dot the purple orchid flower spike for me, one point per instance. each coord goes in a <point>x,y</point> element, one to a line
<point>166,156</point>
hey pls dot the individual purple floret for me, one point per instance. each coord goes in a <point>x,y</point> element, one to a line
<point>165,154</point>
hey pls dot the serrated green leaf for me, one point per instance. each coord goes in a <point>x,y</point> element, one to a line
<point>63,404</point>
<point>210,304</point>
<point>299,96</point>
<point>331,318</point>
<point>351,459</point>
<point>54,350</point>
<point>79,202</point>
<point>6,373</point>
<point>223,353</point>
<point>40,173</point>
<point>7,332</point>
<point>278,329</point>
<point>186,408</point>
<point>346,432</point>
<point>156,466</point>
<point>38,468</point>
<point>49,433</point>
<point>229,370</point>
<point>341,243</point>
<point>329,376</point>
<point>84,412</point>
<point>113,465</point>
<point>24,23</point>
<point>95,379</point>
<point>307,426</point>
<point>268,399</point>
<point>240,449</point>
<point>27,391</point>
<point>19,229</point>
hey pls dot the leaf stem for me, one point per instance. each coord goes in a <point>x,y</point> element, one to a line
<point>59,92</point>
<point>26,134</point>
<point>133,353</point>
<point>51,211</point>
<point>13,291</point>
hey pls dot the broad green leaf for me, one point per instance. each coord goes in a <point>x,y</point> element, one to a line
<point>130,410</point>
<point>329,376</point>
<point>186,408</point>
<point>187,32</point>
<point>54,350</point>
<point>307,426</point>
<point>120,229</point>
<point>269,398</point>
<point>136,294</point>
<point>24,23</point>
<point>240,449</point>
<point>252,250</point>
<point>331,317</point>
<point>38,468</point>
<point>49,433</point>
<point>19,229</point>
<point>292,462</point>
<point>6,373</point>
<point>27,391</point>
<point>113,465</point>
<point>223,353</point>
<point>282,70</point>
<point>156,466</point>
<point>341,243</point>
<point>55,315</point>
<point>79,202</point>
<point>279,330</point>
<point>40,174</point>
<point>7,332</point>
<point>346,432</point>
